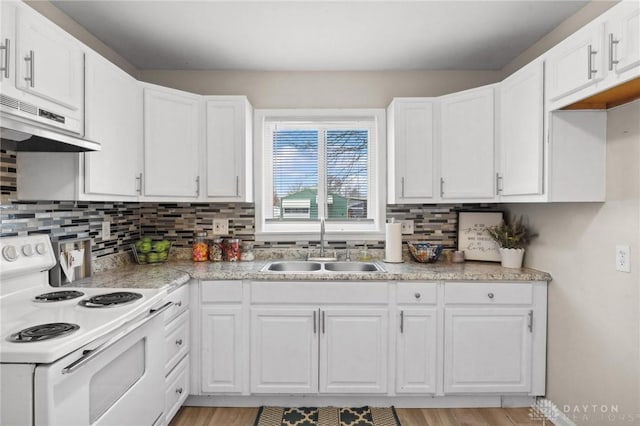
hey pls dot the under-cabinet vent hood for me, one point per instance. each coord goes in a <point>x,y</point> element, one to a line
<point>19,136</point>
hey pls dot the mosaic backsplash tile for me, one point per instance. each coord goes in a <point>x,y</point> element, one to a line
<point>179,222</point>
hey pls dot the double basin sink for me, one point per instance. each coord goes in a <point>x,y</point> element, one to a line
<point>312,266</point>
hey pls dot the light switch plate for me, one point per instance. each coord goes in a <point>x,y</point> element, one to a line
<point>623,259</point>
<point>220,226</point>
<point>407,227</point>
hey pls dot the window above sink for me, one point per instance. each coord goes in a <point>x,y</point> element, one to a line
<point>320,164</point>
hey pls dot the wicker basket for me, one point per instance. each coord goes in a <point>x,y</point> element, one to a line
<point>424,252</point>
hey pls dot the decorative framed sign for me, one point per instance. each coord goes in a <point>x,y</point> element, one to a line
<point>473,238</point>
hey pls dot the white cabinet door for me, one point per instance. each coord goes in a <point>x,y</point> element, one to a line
<point>521,132</point>
<point>623,37</point>
<point>222,349</point>
<point>487,350</point>
<point>8,45</point>
<point>284,350</point>
<point>411,150</point>
<point>114,119</point>
<point>171,143</point>
<point>416,351</point>
<point>50,63</point>
<point>353,351</point>
<point>229,148</point>
<point>467,145</point>
<point>575,63</point>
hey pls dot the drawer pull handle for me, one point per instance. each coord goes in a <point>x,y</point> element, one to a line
<point>179,303</point>
<point>179,342</point>
<point>417,296</point>
<point>490,295</point>
<point>179,391</point>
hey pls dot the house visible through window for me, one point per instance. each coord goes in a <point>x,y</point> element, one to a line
<point>320,167</point>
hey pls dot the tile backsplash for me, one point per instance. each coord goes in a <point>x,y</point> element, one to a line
<point>179,221</point>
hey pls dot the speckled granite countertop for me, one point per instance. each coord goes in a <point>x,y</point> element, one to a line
<point>173,274</point>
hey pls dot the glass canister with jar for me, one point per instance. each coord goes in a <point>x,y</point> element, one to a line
<point>215,250</point>
<point>246,253</point>
<point>200,248</point>
<point>232,250</point>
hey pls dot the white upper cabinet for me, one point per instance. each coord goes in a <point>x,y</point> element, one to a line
<point>623,38</point>
<point>172,143</point>
<point>50,63</point>
<point>42,69</point>
<point>521,132</point>
<point>576,63</point>
<point>410,150</point>
<point>603,54</point>
<point>466,144</point>
<point>229,148</point>
<point>114,119</point>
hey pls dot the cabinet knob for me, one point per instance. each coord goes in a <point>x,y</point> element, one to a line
<point>179,391</point>
<point>417,296</point>
<point>179,342</point>
<point>490,295</point>
<point>179,303</point>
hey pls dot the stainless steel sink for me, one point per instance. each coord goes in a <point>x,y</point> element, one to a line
<point>301,266</point>
<point>293,266</point>
<point>352,267</point>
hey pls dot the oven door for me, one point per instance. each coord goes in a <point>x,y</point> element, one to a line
<point>116,381</point>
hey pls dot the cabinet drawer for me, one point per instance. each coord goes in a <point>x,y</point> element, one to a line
<point>180,299</point>
<point>176,389</point>
<point>176,341</point>
<point>489,293</point>
<point>221,291</point>
<point>417,293</point>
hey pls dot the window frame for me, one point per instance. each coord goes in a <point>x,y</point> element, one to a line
<point>336,230</point>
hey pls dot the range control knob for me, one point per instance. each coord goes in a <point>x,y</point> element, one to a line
<point>41,248</point>
<point>27,250</point>
<point>10,253</point>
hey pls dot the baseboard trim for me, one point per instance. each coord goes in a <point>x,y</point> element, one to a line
<point>463,401</point>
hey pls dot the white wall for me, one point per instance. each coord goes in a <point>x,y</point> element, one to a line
<point>594,311</point>
<point>320,89</point>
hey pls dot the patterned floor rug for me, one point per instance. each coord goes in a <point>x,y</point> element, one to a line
<point>326,416</point>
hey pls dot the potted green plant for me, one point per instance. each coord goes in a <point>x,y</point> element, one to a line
<point>512,238</point>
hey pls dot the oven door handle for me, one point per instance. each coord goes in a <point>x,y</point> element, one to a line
<point>89,354</point>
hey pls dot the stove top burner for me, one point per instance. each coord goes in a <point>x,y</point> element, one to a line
<point>41,332</point>
<point>57,296</point>
<point>110,299</point>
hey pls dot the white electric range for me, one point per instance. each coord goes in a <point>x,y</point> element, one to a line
<point>75,356</point>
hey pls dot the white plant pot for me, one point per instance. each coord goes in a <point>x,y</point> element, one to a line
<point>511,258</point>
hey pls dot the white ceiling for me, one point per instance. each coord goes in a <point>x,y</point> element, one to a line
<point>319,35</point>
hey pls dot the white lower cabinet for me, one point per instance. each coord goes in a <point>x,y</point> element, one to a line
<point>177,345</point>
<point>487,350</point>
<point>353,350</point>
<point>416,350</point>
<point>333,350</point>
<point>285,340</point>
<point>284,350</point>
<point>221,346</point>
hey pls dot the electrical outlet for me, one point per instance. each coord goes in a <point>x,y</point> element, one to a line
<point>623,259</point>
<point>106,230</point>
<point>220,226</point>
<point>407,227</point>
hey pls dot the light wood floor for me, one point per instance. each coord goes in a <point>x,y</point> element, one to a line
<point>205,416</point>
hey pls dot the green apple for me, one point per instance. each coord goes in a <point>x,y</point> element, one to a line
<point>142,258</point>
<point>145,247</point>
<point>158,246</point>
<point>152,257</point>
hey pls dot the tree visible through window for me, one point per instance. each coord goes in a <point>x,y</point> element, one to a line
<point>320,170</point>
